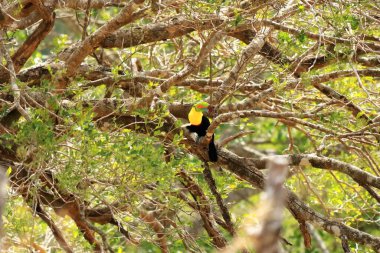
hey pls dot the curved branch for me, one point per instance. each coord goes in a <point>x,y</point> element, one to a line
<point>360,176</point>
<point>256,113</point>
<point>55,230</point>
<point>324,38</point>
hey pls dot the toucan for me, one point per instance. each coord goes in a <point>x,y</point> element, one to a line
<point>199,124</point>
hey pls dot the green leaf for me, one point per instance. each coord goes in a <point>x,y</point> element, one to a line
<point>354,22</point>
<point>302,36</point>
<point>238,19</point>
<point>284,37</point>
<point>9,171</point>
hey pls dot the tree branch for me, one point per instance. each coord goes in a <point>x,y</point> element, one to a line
<point>223,208</point>
<point>127,15</point>
<point>300,211</point>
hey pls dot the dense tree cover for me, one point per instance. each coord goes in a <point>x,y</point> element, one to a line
<point>94,96</point>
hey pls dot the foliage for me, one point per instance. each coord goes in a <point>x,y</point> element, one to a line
<point>93,143</point>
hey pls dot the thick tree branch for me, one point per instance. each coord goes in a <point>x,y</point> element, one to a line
<point>174,27</point>
<point>360,176</point>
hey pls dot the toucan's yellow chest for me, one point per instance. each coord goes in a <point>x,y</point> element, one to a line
<point>195,118</point>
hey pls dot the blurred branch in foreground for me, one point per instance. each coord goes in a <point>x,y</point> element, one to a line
<point>3,192</point>
<point>265,236</point>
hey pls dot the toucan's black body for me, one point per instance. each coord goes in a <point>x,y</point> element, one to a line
<point>201,131</point>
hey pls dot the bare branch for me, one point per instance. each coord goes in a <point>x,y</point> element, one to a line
<point>56,231</point>
<point>223,208</point>
<point>190,68</point>
<point>266,237</point>
<point>204,210</point>
<point>234,137</point>
<point>354,172</point>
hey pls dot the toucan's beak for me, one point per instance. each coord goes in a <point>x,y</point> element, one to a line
<point>204,109</point>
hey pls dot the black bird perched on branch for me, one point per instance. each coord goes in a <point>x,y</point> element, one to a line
<point>199,124</point>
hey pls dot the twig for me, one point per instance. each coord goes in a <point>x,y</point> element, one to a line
<point>247,103</point>
<point>320,243</point>
<point>14,87</point>
<point>345,246</point>
<point>225,141</point>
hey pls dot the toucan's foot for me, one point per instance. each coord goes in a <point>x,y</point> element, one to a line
<point>195,137</point>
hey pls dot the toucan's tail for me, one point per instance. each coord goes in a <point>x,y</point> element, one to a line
<point>212,153</point>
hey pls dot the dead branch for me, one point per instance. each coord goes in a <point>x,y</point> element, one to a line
<point>222,206</point>
<point>204,209</point>
<point>357,174</point>
<point>55,230</point>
